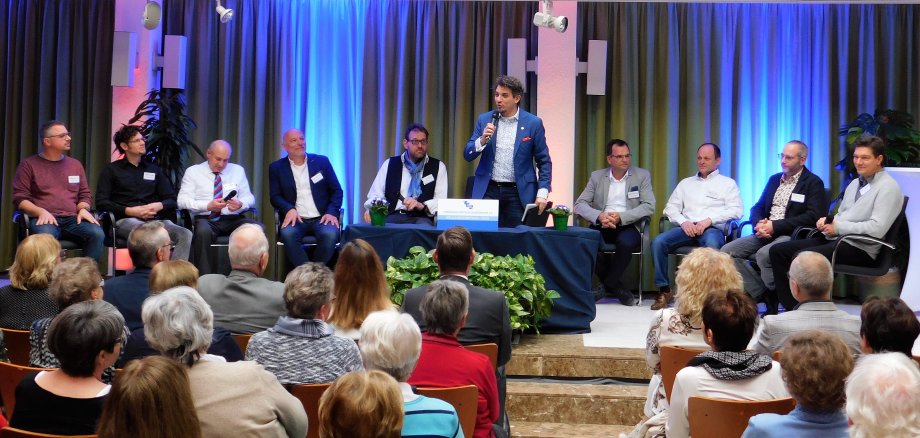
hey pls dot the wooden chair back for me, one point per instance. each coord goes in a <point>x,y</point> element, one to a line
<point>463,398</point>
<point>242,341</point>
<point>673,359</point>
<point>309,395</point>
<point>729,418</point>
<point>490,350</point>
<point>17,345</point>
<point>10,376</point>
<point>12,432</point>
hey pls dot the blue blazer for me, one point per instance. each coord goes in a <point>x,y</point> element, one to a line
<point>798,214</point>
<point>327,193</point>
<point>529,149</point>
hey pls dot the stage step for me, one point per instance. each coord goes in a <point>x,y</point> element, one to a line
<point>575,403</point>
<point>561,430</point>
<point>566,356</point>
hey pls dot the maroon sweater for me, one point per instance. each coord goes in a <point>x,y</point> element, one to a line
<point>56,186</point>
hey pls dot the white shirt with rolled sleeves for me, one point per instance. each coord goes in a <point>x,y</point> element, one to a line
<point>715,197</point>
<point>380,181</point>
<point>197,189</point>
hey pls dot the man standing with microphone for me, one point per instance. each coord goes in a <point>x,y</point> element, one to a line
<point>511,141</point>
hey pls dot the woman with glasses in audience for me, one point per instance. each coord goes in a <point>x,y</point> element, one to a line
<point>230,398</point>
<point>74,280</point>
<point>86,338</point>
<point>360,288</point>
<point>151,398</point>
<point>26,298</point>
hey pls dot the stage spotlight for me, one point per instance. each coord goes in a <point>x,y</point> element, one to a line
<point>225,14</point>
<point>151,15</point>
<point>546,18</point>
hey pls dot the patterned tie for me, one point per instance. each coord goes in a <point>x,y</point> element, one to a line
<point>862,183</point>
<point>218,194</point>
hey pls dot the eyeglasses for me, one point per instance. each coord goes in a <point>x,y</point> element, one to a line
<point>171,245</point>
<point>620,157</point>
<point>418,142</point>
<point>788,157</point>
<point>66,134</point>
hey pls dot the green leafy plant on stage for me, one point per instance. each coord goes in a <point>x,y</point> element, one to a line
<point>896,128</point>
<point>525,289</point>
<point>166,127</point>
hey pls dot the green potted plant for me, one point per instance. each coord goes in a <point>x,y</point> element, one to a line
<point>561,213</point>
<point>525,289</point>
<point>166,127</point>
<point>378,208</point>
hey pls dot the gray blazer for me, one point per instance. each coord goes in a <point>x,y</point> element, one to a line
<point>243,302</point>
<point>809,315</point>
<point>873,213</point>
<point>593,198</point>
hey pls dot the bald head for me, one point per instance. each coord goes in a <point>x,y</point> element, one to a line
<point>813,274</point>
<point>248,248</point>
<point>294,144</point>
<point>219,155</point>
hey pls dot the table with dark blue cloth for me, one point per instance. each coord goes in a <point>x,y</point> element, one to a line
<point>566,260</point>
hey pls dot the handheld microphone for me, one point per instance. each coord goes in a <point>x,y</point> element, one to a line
<point>230,195</point>
<point>495,116</point>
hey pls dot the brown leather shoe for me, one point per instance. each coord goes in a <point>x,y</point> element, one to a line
<point>662,300</point>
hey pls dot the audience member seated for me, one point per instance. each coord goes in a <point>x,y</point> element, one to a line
<point>883,393</point>
<point>73,281</point>
<point>26,298</point>
<point>815,365</point>
<point>391,342</point>
<point>361,404</point>
<point>811,279</point>
<point>445,363</point>
<point>703,271</point>
<point>148,244</point>
<point>167,275</point>
<point>301,347</point>
<point>150,398</point>
<point>87,338</point>
<point>231,399</point>
<point>728,371</point>
<point>244,302</point>
<point>360,288</point>
<point>172,273</point>
<point>888,324</point>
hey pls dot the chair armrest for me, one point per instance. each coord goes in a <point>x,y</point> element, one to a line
<point>663,221</point>
<point>808,232</point>
<point>740,229</point>
<point>857,237</point>
<point>733,226</point>
<point>107,221</point>
<point>185,219</point>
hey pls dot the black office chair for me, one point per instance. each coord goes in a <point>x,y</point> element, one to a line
<point>610,248</point>
<point>188,221</point>
<point>885,258</point>
<point>307,242</point>
<point>110,228</point>
<point>729,232</point>
<point>21,219</point>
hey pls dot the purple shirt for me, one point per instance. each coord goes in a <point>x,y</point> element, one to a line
<point>56,186</point>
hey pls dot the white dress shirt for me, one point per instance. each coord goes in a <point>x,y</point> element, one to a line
<point>503,165</point>
<point>305,206</point>
<point>380,181</point>
<point>616,194</point>
<point>197,189</point>
<point>715,197</point>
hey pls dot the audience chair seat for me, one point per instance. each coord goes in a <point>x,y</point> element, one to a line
<point>463,398</point>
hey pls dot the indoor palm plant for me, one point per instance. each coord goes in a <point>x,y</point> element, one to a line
<point>166,127</point>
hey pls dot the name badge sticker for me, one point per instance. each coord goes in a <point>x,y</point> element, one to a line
<point>316,178</point>
<point>632,195</point>
<point>150,176</point>
<point>797,197</point>
<point>427,179</point>
<point>865,189</point>
<point>229,188</point>
<point>73,179</point>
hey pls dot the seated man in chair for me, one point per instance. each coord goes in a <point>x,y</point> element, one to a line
<point>870,205</point>
<point>412,183</point>
<point>615,199</point>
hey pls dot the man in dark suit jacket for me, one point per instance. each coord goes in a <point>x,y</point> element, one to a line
<point>614,201</point>
<point>307,195</point>
<point>148,244</point>
<point>792,198</point>
<point>488,318</point>
<point>509,152</point>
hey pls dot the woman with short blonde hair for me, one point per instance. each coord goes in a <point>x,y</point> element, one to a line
<point>26,298</point>
<point>172,273</point>
<point>360,288</point>
<point>361,404</point>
